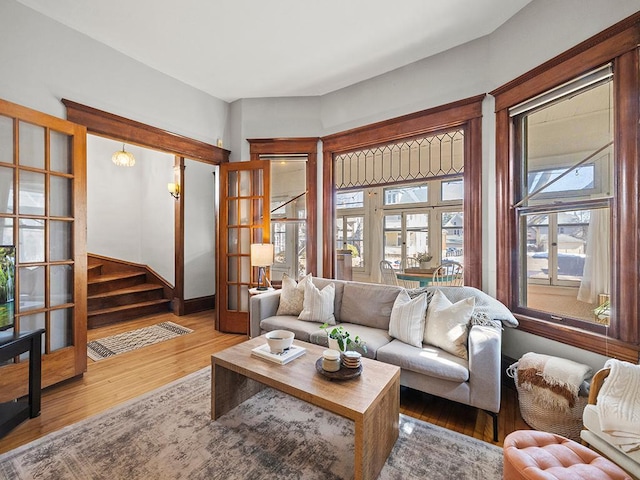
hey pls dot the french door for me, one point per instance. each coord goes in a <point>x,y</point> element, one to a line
<point>43,213</point>
<point>244,219</point>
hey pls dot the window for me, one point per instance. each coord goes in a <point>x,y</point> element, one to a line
<point>414,157</point>
<point>567,190</point>
<point>350,236</point>
<point>566,159</point>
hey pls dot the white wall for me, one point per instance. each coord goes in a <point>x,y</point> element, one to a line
<point>269,118</point>
<point>130,214</point>
<point>44,61</point>
<point>199,229</point>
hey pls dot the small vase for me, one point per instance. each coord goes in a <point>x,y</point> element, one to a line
<point>424,265</point>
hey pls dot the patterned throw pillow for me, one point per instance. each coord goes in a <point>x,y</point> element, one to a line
<point>292,295</point>
<point>318,304</point>
<point>407,318</point>
<point>448,324</point>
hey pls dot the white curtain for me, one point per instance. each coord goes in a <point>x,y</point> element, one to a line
<point>597,266</point>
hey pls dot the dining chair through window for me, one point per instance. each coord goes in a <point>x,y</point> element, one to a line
<point>448,274</point>
<point>388,273</point>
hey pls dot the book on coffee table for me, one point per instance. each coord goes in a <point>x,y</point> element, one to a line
<point>263,351</point>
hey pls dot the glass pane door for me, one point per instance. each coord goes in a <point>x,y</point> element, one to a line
<point>43,214</point>
<point>244,219</point>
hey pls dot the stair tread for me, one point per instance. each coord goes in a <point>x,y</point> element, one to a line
<point>130,306</point>
<point>142,287</point>
<point>115,276</point>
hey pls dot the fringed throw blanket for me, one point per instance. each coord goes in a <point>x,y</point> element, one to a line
<point>555,381</point>
<point>619,404</point>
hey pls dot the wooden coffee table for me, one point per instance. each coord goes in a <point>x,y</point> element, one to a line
<point>371,400</point>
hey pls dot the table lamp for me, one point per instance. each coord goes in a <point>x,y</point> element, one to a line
<point>262,256</point>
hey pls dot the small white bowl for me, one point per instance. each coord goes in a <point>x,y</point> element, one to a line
<point>279,340</point>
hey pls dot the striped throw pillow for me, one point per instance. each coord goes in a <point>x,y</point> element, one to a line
<point>407,318</point>
<point>318,304</point>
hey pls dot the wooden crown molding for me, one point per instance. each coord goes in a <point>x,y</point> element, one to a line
<point>120,128</point>
<point>441,117</point>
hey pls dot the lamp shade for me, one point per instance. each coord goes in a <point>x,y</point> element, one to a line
<point>261,254</point>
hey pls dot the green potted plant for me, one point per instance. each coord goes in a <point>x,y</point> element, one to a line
<point>423,259</point>
<point>342,338</point>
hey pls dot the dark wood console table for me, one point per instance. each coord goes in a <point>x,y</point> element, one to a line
<point>14,413</point>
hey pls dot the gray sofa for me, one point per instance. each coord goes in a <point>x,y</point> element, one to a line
<point>364,309</point>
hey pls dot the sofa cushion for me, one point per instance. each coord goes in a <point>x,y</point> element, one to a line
<point>428,360</point>
<point>407,318</point>
<point>292,295</point>
<point>375,338</point>
<point>318,304</point>
<point>447,324</point>
<point>368,304</point>
<point>301,328</point>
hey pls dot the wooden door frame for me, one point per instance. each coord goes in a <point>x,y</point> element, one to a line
<point>291,146</point>
<point>109,125</point>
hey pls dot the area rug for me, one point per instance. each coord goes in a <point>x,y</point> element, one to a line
<point>128,341</point>
<point>168,434</point>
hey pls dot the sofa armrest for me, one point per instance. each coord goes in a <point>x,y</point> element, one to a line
<point>485,347</point>
<point>262,306</point>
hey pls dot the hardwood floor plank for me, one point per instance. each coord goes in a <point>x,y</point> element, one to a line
<point>118,379</point>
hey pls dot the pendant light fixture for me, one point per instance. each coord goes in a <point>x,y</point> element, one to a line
<point>122,158</point>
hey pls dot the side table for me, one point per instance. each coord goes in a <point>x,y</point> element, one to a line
<point>15,412</point>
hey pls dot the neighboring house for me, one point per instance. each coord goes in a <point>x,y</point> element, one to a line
<point>44,61</point>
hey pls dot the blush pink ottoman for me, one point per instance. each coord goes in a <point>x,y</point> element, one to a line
<point>534,455</point>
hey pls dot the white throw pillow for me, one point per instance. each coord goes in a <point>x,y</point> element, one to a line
<point>448,324</point>
<point>407,318</point>
<point>292,295</point>
<point>318,304</point>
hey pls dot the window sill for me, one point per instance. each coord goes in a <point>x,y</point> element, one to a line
<point>590,341</point>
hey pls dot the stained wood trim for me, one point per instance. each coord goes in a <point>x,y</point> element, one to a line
<point>195,305</point>
<point>178,292</point>
<point>309,147</point>
<point>619,45</point>
<point>590,341</point>
<point>113,126</point>
<point>597,50</point>
<point>465,114</point>
<point>282,146</point>
<point>443,117</point>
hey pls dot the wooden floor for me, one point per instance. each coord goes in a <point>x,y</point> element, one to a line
<point>118,379</point>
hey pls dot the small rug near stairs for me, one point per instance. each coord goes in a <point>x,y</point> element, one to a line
<point>128,341</point>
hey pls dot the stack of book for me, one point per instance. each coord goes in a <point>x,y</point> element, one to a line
<point>289,354</point>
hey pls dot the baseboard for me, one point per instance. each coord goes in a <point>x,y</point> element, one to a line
<point>194,305</point>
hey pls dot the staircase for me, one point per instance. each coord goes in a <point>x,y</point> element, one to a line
<point>119,291</point>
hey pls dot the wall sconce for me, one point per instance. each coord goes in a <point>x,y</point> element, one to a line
<point>262,256</point>
<point>122,158</point>
<point>174,190</point>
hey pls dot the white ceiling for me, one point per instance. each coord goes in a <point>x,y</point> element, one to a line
<point>257,48</point>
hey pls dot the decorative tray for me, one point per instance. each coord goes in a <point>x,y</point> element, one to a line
<point>343,374</point>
